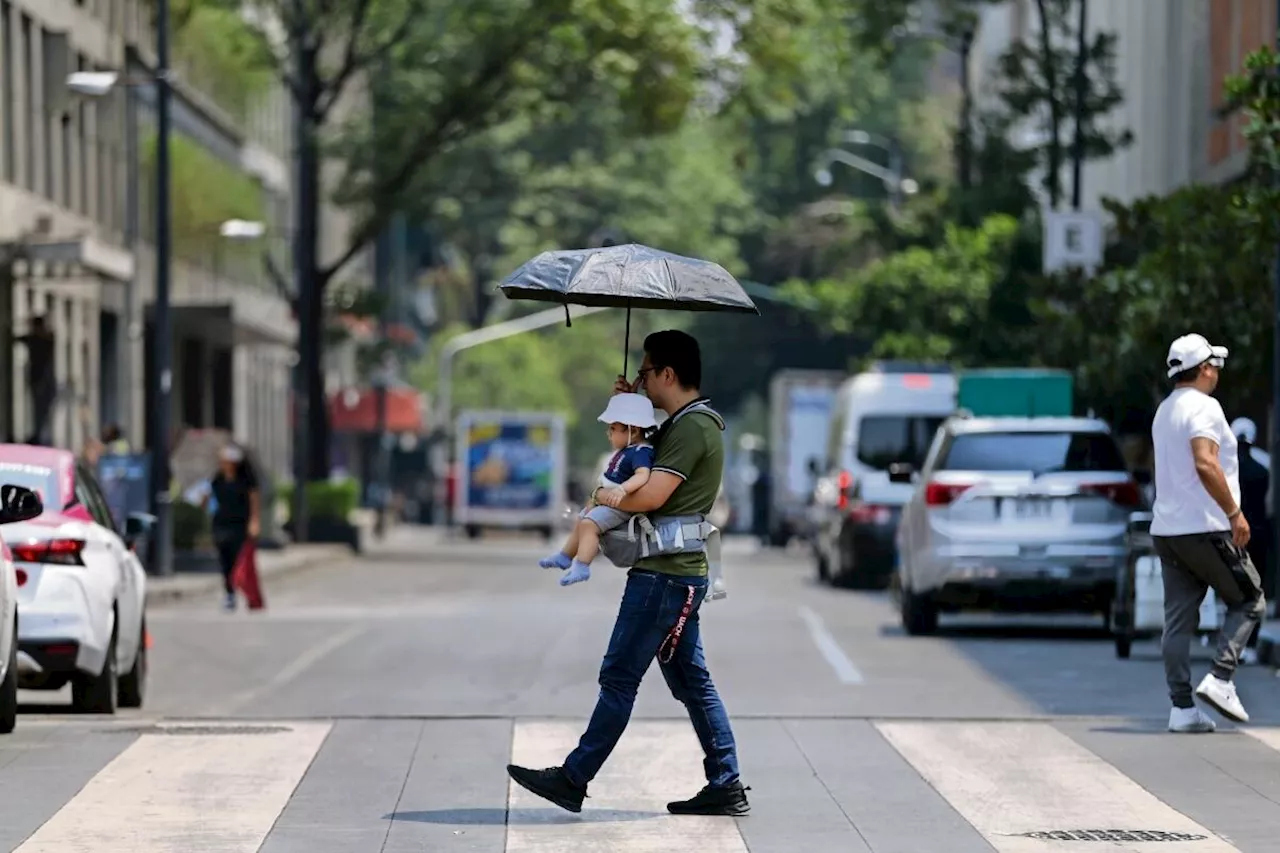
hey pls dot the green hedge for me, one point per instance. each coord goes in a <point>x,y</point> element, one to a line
<point>190,526</point>
<point>325,498</point>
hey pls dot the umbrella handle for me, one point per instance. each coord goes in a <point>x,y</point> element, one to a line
<point>626,343</point>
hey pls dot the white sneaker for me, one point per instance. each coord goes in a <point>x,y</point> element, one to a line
<point>1222,696</point>
<point>1190,721</point>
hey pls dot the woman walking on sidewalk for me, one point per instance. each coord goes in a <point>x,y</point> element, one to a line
<point>236,514</point>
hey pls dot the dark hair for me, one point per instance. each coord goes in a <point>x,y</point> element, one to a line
<point>1191,374</point>
<point>678,351</point>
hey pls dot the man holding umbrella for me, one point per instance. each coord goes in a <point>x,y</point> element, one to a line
<point>659,612</point>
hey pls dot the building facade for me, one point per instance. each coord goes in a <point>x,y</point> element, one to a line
<point>77,222</point>
<point>1172,59</point>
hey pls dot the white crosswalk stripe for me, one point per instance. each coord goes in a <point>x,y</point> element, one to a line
<point>1011,787</point>
<point>172,793</point>
<point>1027,787</point>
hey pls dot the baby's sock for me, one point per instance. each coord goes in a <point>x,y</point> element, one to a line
<point>578,572</point>
<point>558,560</point>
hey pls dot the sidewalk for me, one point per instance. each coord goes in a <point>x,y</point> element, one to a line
<point>271,565</point>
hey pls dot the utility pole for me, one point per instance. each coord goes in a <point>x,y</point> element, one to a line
<point>161,378</point>
<point>964,145</point>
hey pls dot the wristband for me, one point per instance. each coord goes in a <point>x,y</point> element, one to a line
<point>1238,510</point>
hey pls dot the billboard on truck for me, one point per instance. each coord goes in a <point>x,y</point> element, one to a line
<point>800,404</point>
<point>512,470</point>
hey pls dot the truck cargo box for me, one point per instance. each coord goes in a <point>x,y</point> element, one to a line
<point>1015,392</point>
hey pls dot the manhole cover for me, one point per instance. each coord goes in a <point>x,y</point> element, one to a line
<point>200,730</point>
<point>1111,835</point>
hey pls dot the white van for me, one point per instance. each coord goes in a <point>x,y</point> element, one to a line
<point>884,416</point>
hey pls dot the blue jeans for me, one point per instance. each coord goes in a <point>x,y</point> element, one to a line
<point>651,605</point>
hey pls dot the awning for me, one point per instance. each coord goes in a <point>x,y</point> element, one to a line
<point>356,410</point>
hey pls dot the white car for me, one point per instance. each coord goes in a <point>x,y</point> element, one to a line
<point>16,504</point>
<point>81,588</point>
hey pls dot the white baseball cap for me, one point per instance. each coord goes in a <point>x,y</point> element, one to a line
<point>231,453</point>
<point>1191,351</point>
<point>630,409</point>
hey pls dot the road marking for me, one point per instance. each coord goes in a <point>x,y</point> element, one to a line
<point>1012,779</point>
<point>839,661</point>
<point>299,665</point>
<point>626,812</point>
<point>176,793</point>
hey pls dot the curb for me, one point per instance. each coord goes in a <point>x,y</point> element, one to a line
<point>200,585</point>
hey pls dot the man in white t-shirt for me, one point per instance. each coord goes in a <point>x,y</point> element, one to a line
<point>1200,533</point>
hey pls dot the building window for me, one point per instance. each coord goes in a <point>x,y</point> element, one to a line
<point>8,110</point>
<point>84,150</point>
<point>28,102</point>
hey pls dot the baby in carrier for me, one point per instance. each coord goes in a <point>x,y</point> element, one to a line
<point>630,417</point>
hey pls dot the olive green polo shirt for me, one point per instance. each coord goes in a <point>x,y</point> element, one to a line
<point>693,450</point>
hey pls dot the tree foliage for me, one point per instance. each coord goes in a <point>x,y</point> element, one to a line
<point>1039,87</point>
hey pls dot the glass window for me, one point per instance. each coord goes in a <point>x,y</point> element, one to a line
<point>1039,452</point>
<point>887,439</point>
<point>40,479</point>
<point>90,495</point>
<point>8,109</point>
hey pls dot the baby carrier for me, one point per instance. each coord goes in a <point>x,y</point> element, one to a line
<point>652,535</point>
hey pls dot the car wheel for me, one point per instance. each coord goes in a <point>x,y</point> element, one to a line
<point>919,613</point>
<point>133,684</point>
<point>9,691</point>
<point>98,694</point>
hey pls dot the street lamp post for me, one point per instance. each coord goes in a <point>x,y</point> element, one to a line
<point>892,176</point>
<point>160,377</point>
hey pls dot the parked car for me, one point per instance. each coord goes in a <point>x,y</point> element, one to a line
<point>16,504</point>
<point>1014,514</point>
<point>879,419</point>
<point>81,588</point>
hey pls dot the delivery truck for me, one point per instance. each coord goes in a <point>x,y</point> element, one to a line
<point>512,472</point>
<point>800,416</point>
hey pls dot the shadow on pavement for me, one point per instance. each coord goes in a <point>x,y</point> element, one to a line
<point>499,817</point>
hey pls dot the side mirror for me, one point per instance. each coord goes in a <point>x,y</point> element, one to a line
<point>137,528</point>
<point>901,472</point>
<point>18,503</point>
<point>814,468</point>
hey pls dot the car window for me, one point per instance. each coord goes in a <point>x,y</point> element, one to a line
<point>1040,452</point>
<point>40,479</point>
<point>886,439</point>
<point>88,493</point>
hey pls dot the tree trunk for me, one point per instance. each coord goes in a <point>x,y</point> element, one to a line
<point>1050,71</point>
<point>1082,91</point>
<point>313,430</point>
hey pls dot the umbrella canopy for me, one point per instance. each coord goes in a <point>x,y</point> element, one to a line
<point>628,276</point>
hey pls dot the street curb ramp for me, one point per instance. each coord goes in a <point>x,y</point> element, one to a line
<point>296,559</point>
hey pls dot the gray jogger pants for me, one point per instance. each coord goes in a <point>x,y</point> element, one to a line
<point>1191,565</point>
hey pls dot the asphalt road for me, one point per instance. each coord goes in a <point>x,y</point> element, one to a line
<point>374,705</point>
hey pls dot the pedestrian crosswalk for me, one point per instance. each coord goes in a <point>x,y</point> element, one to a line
<point>818,785</point>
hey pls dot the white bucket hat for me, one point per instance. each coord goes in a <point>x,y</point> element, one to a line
<point>1191,351</point>
<point>630,409</point>
<point>231,453</point>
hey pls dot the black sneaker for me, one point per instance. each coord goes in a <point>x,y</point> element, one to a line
<point>550,784</point>
<point>731,800</point>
